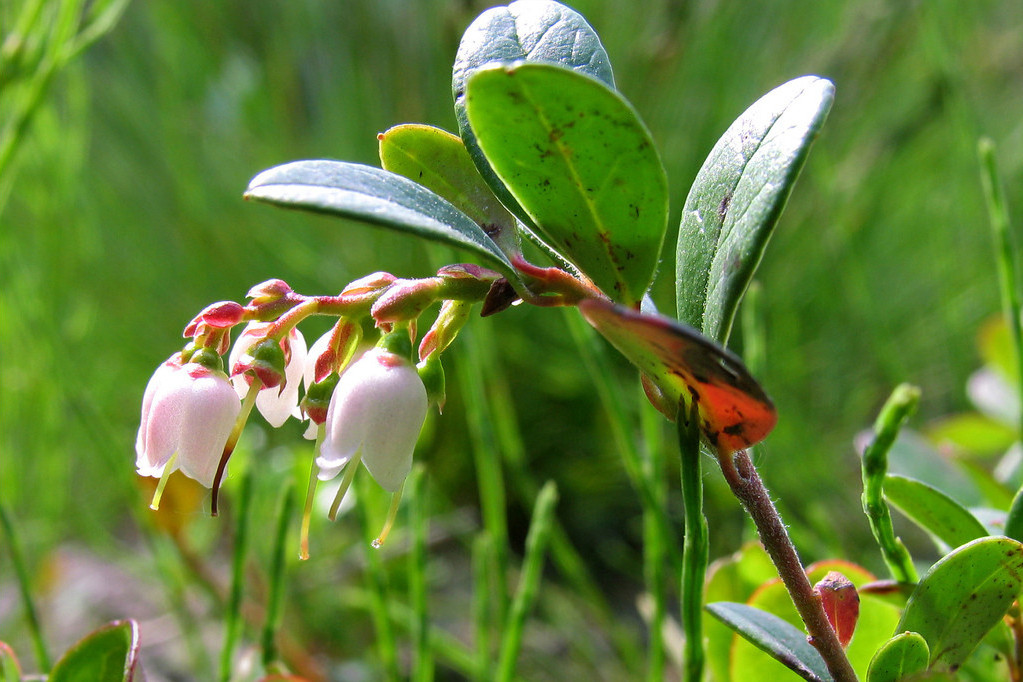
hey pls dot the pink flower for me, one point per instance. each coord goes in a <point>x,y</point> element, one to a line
<point>375,414</point>
<point>188,412</point>
<point>279,402</point>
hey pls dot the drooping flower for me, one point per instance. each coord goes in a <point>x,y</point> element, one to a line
<point>375,414</point>
<point>188,411</point>
<point>276,401</point>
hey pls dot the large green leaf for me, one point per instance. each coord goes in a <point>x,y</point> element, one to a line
<point>378,197</point>
<point>581,164</point>
<point>737,197</point>
<point>933,510</point>
<point>109,654</point>
<point>438,161</point>
<point>963,596</point>
<point>775,636</point>
<point>528,30</point>
<point>903,655</point>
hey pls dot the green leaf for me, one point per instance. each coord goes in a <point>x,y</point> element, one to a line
<point>737,197</point>
<point>533,31</point>
<point>438,161</point>
<point>933,510</point>
<point>903,655</point>
<point>731,578</point>
<point>963,596</point>
<point>973,433</point>
<point>581,164</point>
<point>110,653</point>
<point>378,197</point>
<point>775,636</point>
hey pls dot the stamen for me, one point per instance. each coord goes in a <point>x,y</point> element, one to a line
<point>392,513</point>
<point>168,469</point>
<point>232,441</point>
<point>350,468</point>
<point>307,512</point>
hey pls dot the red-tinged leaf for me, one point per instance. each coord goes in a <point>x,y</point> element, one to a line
<point>841,604</point>
<point>735,413</point>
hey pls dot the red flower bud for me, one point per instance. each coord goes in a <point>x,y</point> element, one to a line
<point>841,604</point>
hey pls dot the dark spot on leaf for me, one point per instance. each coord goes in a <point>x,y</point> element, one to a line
<point>556,134</point>
<point>723,207</point>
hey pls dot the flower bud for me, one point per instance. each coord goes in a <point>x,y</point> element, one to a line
<point>406,299</point>
<point>841,604</point>
<point>270,291</point>
<point>221,315</point>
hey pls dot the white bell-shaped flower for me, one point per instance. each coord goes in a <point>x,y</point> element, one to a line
<point>375,414</point>
<point>188,412</point>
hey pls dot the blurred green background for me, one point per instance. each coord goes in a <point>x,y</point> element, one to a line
<point>122,216</point>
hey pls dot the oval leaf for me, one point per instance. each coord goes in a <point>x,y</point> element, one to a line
<point>110,653</point>
<point>737,197</point>
<point>529,30</point>
<point>781,640</point>
<point>375,196</point>
<point>933,510</point>
<point>963,596</point>
<point>438,161</point>
<point>903,655</point>
<point>735,412</point>
<point>581,164</point>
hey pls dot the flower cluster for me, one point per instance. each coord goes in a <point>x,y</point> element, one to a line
<point>364,399</point>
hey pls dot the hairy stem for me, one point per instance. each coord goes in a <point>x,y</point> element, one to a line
<point>746,485</point>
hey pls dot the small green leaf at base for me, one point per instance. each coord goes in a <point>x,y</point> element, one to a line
<point>903,655</point>
<point>775,636</point>
<point>963,596</point>
<point>109,654</point>
<point>933,510</point>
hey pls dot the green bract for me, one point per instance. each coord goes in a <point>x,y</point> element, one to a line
<point>580,163</point>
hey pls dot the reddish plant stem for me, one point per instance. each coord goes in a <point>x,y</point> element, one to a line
<point>746,485</point>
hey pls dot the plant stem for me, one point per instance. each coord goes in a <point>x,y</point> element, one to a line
<point>486,457</point>
<point>35,631</point>
<point>278,564</point>
<point>482,554</point>
<point>1005,255</point>
<point>525,595</point>
<point>232,616</point>
<point>375,572</point>
<point>696,545</point>
<point>896,410</point>
<point>418,524</point>
<point>746,485</point>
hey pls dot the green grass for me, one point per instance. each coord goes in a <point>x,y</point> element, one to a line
<point>124,217</point>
